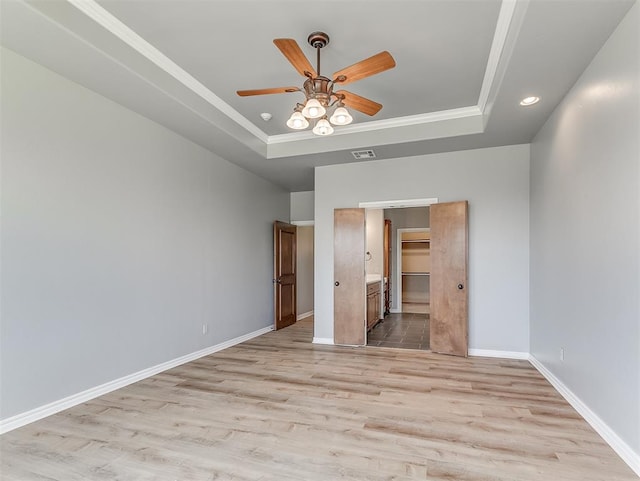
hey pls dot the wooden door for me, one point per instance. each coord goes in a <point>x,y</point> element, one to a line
<point>284,274</point>
<point>349,302</point>
<point>449,293</point>
<point>387,266</point>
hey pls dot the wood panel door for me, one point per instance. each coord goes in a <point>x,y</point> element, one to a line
<point>386,262</point>
<point>448,291</point>
<point>284,274</point>
<point>349,298</point>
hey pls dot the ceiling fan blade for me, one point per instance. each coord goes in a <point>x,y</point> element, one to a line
<point>290,49</point>
<point>361,104</point>
<point>365,68</point>
<point>276,90</point>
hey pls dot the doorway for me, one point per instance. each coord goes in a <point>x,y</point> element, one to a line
<point>406,325</point>
<point>448,326</point>
<point>284,274</point>
<point>293,272</point>
<point>304,267</point>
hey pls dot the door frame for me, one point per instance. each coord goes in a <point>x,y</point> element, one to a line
<point>389,204</point>
<point>305,223</point>
<point>399,204</point>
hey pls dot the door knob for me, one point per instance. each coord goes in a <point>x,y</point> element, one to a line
<point>460,286</point>
<point>278,281</point>
<point>337,283</point>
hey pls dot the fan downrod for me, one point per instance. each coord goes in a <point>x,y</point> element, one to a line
<point>318,39</point>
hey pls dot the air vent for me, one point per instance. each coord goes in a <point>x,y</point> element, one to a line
<point>364,154</point>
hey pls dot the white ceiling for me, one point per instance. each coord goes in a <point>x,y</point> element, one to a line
<point>462,66</point>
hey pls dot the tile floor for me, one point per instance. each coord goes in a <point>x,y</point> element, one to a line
<point>408,331</point>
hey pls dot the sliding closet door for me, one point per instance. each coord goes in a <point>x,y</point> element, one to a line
<point>449,293</point>
<point>349,315</point>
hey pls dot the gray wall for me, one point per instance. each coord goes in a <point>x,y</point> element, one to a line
<point>304,269</point>
<point>302,206</point>
<point>495,181</point>
<point>404,218</point>
<point>585,218</point>
<point>120,239</point>
<point>374,242</point>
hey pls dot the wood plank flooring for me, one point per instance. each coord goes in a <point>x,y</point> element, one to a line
<point>280,408</point>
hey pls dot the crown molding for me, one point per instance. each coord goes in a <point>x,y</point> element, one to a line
<point>409,120</point>
<point>366,138</point>
<point>507,28</point>
<point>105,19</point>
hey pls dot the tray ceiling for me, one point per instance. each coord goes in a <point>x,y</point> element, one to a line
<point>461,68</point>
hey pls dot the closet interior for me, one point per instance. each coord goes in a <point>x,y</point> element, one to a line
<point>415,261</point>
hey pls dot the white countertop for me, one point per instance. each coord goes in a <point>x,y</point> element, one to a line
<point>373,278</point>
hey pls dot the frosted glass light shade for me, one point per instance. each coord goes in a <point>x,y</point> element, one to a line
<point>297,121</point>
<point>313,109</point>
<point>323,127</point>
<point>341,117</point>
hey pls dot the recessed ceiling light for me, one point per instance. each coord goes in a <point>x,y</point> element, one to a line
<point>529,101</point>
<point>266,116</point>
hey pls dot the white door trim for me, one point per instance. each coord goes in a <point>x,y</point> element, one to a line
<point>398,204</point>
<point>302,223</point>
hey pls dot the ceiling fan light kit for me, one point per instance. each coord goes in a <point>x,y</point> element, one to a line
<point>320,97</point>
<point>323,127</point>
<point>313,109</point>
<point>297,121</point>
<point>341,116</point>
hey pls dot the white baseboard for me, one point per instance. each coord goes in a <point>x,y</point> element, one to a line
<point>623,450</point>
<point>33,415</point>
<point>500,354</point>
<point>304,315</point>
<point>395,310</point>
<point>323,340</point>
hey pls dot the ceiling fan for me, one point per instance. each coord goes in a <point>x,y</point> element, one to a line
<point>319,90</point>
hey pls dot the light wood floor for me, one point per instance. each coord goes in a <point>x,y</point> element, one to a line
<point>281,408</point>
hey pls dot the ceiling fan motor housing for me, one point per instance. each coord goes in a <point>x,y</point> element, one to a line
<point>318,39</point>
<point>320,88</point>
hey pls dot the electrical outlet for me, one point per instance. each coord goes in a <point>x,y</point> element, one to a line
<point>562,353</point>
<point>205,328</point>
